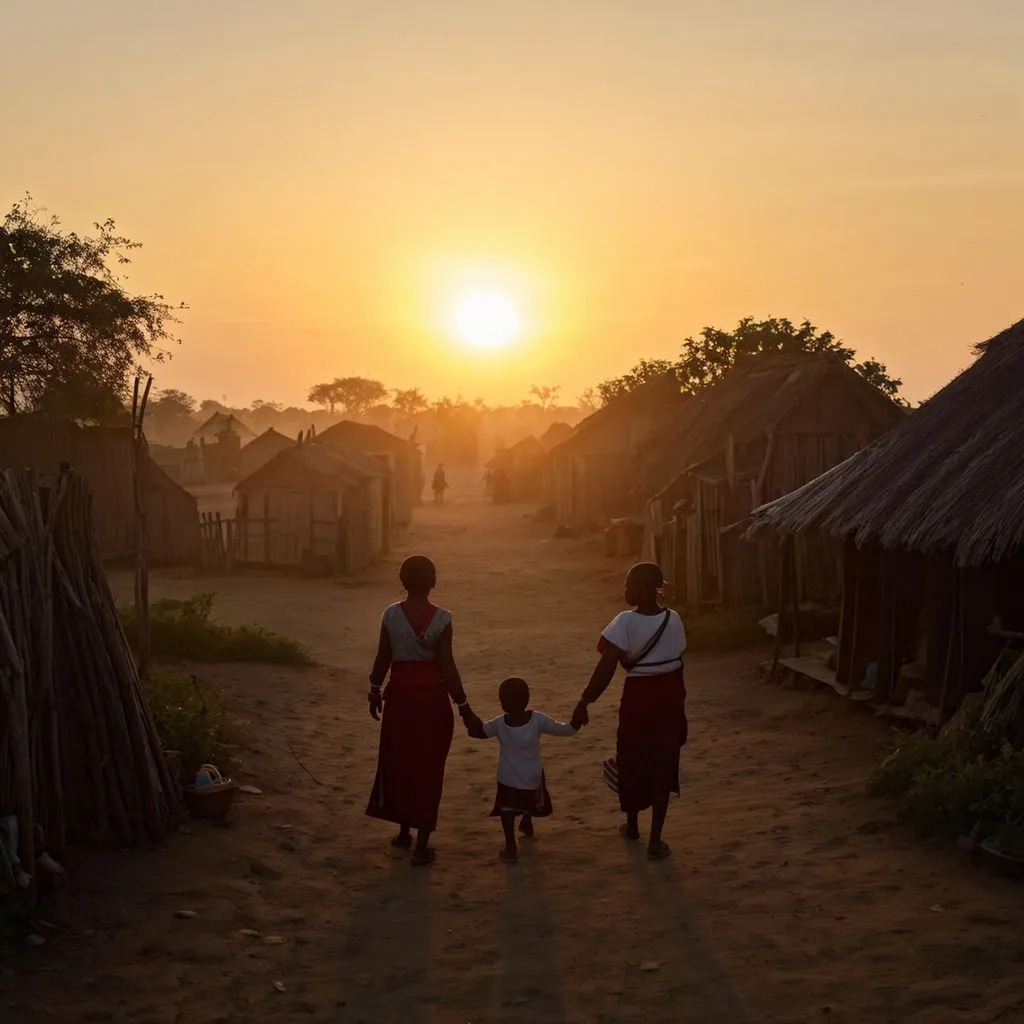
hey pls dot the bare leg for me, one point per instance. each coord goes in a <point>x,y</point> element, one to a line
<point>526,826</point>
<point>424,853</point>
<point>631,829</point>
<point>511,851</point>
<point>404,838</point>
<point>655,846</point>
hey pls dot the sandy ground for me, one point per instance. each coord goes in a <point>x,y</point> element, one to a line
<point>790,895</point>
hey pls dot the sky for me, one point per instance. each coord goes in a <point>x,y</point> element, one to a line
<point>322,180</point>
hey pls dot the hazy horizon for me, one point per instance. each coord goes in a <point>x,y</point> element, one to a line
<point>320,181</point>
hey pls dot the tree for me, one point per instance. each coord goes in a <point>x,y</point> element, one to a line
<point>589,401</point>
<point>175,401</point>
<point>410,401</point>
<point>71,336</point>
<point>642,372</point>
<point>705,358</point>
<point>357,394</point>
<point>323,395</point>
<point>545,395</point>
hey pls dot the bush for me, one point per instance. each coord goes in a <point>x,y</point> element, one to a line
<point>189,716</point>
<point>944,791</point>
<point>185,629</point>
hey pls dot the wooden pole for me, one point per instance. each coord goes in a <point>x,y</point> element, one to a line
<point>795,588</point>
<point>143,650</point>
<point>783,573</point>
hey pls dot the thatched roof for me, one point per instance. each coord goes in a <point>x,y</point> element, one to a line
<point>555,434</point>
<point>751,400</point>
<point>660,394</point>
<point>221,423</point>
<point>366,437</point>
<point>950,478</point>
<point>313,465</point>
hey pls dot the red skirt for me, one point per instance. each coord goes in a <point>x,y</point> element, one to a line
<point>415,736</point>
<point>535,802</point>
<point>652,731</point>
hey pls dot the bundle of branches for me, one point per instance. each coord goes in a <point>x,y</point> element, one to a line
<point>78,752</point>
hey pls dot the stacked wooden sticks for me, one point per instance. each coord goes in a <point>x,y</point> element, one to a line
<point>78,752</point>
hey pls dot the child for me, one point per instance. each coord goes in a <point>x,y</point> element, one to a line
<point>521,786</point>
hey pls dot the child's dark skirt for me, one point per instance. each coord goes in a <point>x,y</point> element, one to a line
<point>535,802</point>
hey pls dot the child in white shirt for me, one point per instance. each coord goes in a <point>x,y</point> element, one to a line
<point>522,790</point>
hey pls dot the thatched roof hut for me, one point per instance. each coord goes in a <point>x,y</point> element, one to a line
<point>932,519</point>
<point>400,455</point>
<point>770,424</point>
<point>106,457</point>
<point>950,479</point>
<point>223,423</point>
<point>593,468</point>
<point>314,506</point>
<point>257,453</point>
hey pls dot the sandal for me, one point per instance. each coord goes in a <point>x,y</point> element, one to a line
<point>659,852</point>
<point>626,833</point>
<point>421,858</point>
<point>402,842</point>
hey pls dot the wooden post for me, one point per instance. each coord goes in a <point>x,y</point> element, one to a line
<point>795,588</point>
<point>143,650</point>
<point>783,574</point>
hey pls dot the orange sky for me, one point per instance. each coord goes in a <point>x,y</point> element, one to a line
<point>319,178</point>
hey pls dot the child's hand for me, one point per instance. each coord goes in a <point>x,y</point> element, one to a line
<point>580,717</point>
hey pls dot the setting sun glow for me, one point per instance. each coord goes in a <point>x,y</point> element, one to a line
<point>487,320</point>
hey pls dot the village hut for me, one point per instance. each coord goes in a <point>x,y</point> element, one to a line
<point>223,423</point>
<point>517,471</point>
<point>932,522</point>
<point>593,470</point>
<point>770,424</point>
<point>258,452</point>
<point>106,457</point>
<point>400,456</point>
<point>314,507</point>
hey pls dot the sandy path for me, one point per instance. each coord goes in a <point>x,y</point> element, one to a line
<point>790,896</point>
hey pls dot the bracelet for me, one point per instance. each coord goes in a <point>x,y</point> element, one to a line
<point>464,704</point>
<point>375,687</point>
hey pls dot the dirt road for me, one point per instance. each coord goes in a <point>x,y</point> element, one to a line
<point>789,897</point>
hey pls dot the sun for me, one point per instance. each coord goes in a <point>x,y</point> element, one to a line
<point>487,320</point>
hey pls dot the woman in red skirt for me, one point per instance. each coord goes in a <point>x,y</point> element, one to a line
<point>415,709</point>
<point>649,644</point>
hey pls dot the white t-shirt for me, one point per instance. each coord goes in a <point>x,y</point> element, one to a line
<point>631,632</point>
<point>519,760</point>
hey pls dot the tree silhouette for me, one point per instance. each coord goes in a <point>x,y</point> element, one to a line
<point>357,394</point>
<point>322,395</point>
<point>410,401</point>
<point>545,394</point>
<point>71,336</point>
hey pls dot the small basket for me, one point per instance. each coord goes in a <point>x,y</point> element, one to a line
<point>214,800</point>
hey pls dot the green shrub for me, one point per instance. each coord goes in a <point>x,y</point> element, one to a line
<point>189,716</point>
<point>944,791</point>
<point>186,629</point>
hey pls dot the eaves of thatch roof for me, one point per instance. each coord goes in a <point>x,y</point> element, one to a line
<point>749,401</point>
<point>950,478</point>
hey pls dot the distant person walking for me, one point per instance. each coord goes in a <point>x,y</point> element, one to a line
<point>415,709</point>
<point>440,483</point>
<point>649,644</point>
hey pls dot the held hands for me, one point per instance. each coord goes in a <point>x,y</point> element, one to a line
<point>580,717</point>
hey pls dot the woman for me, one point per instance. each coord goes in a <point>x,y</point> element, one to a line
<point>417,720</point>
<point>649,643</point>
<point>440,483</point>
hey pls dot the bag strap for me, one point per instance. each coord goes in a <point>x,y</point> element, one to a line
<point>651,644</point>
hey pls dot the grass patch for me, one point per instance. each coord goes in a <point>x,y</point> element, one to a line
<point>190,717</point>
<point>724,631</point>
<point>944,791</point>
<point>186,629</point>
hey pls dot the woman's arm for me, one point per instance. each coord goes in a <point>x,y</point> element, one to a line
<point>379,672</point>
<point>602,675</point>
<point>448,669</point>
